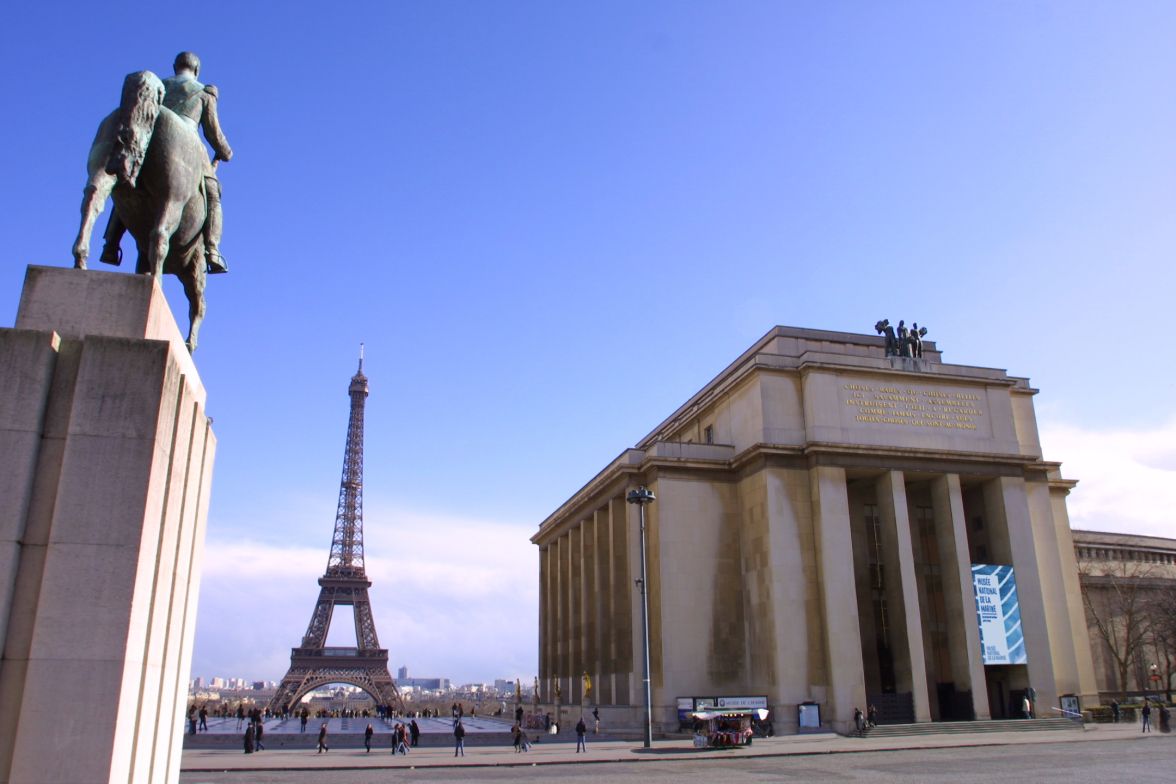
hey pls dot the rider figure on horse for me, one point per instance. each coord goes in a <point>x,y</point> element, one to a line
<point>196,103</point>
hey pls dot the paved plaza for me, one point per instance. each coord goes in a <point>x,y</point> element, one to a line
<point>1100,753</point>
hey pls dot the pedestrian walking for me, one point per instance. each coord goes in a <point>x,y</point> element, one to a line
<point>414,732</point>
<point>367,738</point>
<point>322,739</point>
<point>872,716</point>
<point>596,719</point>
<point>859,722</point>
<point>1115,711</point>
<point>204,717</point>
<point>258,731</point>
<point>303,717</point>
<point>459,737</point>
<point>1146,713</point>
<point>1026,707</point>
<point>517,736</point>
<point>240,715</point>
<point>581,731</point>
<point>191,719</point>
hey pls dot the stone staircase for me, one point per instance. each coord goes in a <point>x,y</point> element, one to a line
<point>961,727</point>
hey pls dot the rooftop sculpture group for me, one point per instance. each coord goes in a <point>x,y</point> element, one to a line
<point>147,156</point>
<point>908,342</point>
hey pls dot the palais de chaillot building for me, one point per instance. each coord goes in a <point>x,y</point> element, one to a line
<point>834,524</point>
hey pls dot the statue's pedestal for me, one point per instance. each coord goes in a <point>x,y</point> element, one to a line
<point>105,468</point>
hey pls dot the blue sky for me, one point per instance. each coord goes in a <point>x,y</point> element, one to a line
<point>551,223</point>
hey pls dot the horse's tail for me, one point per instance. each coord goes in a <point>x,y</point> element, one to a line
<point>142,97</point>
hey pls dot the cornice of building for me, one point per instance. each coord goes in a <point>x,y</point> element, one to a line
<point>757,357</point>
<point>1112,539</point>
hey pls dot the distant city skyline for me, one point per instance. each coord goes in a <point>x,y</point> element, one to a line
<point>552,223</point>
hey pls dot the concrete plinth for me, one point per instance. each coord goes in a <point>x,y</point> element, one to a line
<point>105,469</point>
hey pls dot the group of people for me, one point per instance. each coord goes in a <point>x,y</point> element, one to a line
<point>519,737</point>
<point>863,722</point>
<point>254,731</point>
<point>404,737</point>
<point>192,716</point>
<point>1145,714</point>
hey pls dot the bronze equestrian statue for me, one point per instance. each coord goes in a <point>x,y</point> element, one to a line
<point>147,156</point>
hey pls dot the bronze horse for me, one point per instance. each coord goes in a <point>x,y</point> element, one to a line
<point>152,163</point>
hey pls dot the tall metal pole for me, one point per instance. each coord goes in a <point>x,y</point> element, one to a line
<point>642,496</point>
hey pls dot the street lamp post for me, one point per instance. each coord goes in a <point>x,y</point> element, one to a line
<point>642,496</point>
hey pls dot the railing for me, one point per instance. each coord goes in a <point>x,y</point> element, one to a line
<point>1069,714</point>
<point>352,652</point>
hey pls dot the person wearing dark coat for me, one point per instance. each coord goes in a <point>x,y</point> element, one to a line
<point>581,731</point>
<point>367,738</point>
<point>322,739</point>
<point>249,739</point>
<point>459,738</point>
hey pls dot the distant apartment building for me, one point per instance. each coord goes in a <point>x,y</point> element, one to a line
<point>433,684</point>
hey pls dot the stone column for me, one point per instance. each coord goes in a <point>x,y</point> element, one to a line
<point>846,686</point>
<point>576,613</point>
<point>1053,585</point>
<point>622,604</point>
<point>1007,502</point>
<point>602,686</point>
<point>108,458</point>
<point>963,638</point>
<point>633,599</point>
<point>591,604</point>
<point>902,594</point>
<point>544,621</point>
<point>1087,687</point>
<point>562,629</point>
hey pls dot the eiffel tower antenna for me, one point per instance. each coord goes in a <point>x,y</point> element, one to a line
<point>313,664</point>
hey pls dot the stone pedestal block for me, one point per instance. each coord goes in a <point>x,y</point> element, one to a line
<point>105,469</point>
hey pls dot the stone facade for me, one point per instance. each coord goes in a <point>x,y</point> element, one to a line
<point>819,506</point>
<point>1129,585</point>
<point>105,471</point>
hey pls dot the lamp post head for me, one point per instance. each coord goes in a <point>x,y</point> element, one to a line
<point>642,495</point>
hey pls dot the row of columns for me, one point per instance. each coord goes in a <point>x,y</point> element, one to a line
<point>587,604</point>
<point>1005,500</point>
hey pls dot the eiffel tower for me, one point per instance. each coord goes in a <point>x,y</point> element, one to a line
<point>313,664</point>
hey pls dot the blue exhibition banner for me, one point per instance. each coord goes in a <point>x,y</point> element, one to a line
<point>998,615</point>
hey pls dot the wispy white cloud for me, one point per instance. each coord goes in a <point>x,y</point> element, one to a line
<point>452,596</point>
<point>1126,477</point>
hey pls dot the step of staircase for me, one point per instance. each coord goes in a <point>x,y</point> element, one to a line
<point>961,727</point>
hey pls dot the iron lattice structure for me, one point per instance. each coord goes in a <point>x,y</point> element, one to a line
<point>313,664</point>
